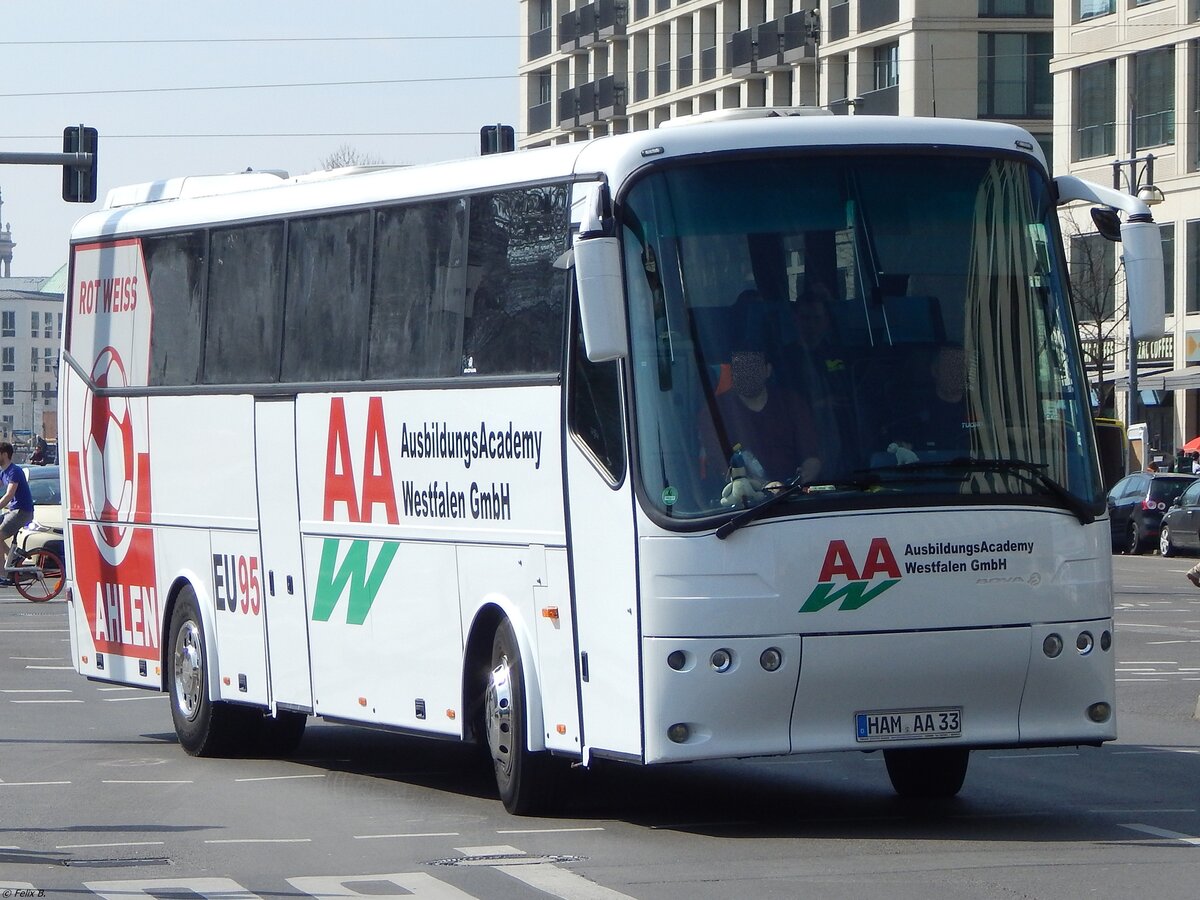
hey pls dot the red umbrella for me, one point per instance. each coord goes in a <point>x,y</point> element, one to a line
<point>1192,446</point>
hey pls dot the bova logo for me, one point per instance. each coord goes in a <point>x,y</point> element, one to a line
<point>856,590</point>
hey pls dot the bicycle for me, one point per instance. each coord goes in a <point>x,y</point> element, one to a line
<point>38,575</point>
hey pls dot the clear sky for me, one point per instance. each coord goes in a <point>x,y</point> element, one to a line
<point>179,88</point>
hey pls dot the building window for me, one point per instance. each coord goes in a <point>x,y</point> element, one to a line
<point>1014,75</point>
<point>1089,9</point>
<point>8,323</point>
<point>887,65</point>
<point>48,358</point>
<point>1023,9</point>
<point>58,333</point>
<point>545,89</point>
<point>47,325</point>
<point>1093,278</point>
<point>33,359</point>
<point>47,393</point>
<point>8,359</point>
<point>33,331</point>
<point>1154,77</point>
<point>1096,109</point>
<point>545,14</point>
<point>7,393</point>
<point>1193,266</point>
<point>1167,233</point>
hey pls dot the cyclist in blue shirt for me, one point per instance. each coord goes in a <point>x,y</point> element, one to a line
<point>16,503</point>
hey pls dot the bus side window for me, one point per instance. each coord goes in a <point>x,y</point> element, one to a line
<point>514,314</point>
<point>594,408</point>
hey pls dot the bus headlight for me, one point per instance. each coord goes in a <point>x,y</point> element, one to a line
<point>1099,712</point>
<point>1084,643</point>
<point>1052,645</point>
<point>677,659</point>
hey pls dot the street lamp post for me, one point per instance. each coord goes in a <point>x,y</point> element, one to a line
<point>1140,183</point>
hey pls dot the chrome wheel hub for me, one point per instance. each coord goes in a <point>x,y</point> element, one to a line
<point>498,710</point>
<point>188,670</point>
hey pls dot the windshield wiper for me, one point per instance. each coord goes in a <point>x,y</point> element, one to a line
<point>789,489</point>
<point>1034,472</point>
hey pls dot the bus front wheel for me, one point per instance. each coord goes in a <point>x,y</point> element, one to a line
<point>927,773</point>
<point>204,728</point>
<point>524,778</point>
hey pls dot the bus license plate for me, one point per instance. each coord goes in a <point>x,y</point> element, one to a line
<point>907,724</point>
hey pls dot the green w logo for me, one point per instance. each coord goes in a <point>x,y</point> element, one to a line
<point>353,574</point>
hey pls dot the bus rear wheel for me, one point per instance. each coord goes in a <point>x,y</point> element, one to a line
<point>524,778</point>
<point>927,773</point>
<point>204,727</point>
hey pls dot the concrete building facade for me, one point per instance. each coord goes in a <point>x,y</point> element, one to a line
<point>591,67</point>
<point>1126,85</point>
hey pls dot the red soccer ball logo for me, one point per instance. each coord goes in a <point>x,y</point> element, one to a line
<point>109,459</point>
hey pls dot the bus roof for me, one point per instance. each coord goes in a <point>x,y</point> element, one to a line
<point>214,199</point>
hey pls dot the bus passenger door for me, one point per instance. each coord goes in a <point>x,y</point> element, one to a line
<point>283,572</point>
<point>602,545</point>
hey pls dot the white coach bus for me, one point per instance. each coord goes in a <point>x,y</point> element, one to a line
<point>735,438</point>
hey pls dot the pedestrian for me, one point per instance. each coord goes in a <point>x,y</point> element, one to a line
<point>1196,463</point>
<point>16,502</point>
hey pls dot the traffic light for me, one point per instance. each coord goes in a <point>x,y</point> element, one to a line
<point>497,139</point>
<point>79,181</point>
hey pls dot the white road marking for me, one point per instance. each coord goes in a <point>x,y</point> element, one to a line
<point>123,699</point>
<point>145,781</point>
<point>547,830</point>
<point>209,888</point>
<point>560,882</point>
<point>53,668</point>
<point>35,691</point>
<point>30,783</point>
<point>413,884</point>
<point>280,777</point>
<point>1163,833</point>
<point>45,701</point>
<point>545,876</point>
<point>259,841</point>
<point>378,837</point>
<point>114,844</point>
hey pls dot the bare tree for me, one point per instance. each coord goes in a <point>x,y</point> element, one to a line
<point>1097,278</point>
<point>345,155</point>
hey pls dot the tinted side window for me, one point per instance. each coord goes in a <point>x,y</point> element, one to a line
<point>514,314</point>
<point>244,316</point>
<point>419,292</point>
<point>328,290</point>
<point>1191,495</point>
<point>1167,489</point>
<point>175,266</point>
<point>594,408</point>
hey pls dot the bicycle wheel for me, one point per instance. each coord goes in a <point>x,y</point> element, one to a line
<point>40,576</point>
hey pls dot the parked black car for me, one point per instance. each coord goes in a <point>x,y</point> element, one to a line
<point>1181,525</point>
<point>1137,504</point>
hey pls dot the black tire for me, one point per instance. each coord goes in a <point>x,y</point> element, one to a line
<point>1165,547</point>
<point>1133,540</point>
<point>204,728</point>
<point>281,733</point>
<point>40,576</point>
<point>927,773</point>
<point>524,779</point>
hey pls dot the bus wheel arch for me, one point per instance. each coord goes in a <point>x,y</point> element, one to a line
<point>204,726</point>
<point>525,778</point>
<point>477,669</point>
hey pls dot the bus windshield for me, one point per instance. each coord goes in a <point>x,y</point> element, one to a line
<point>866,330</point>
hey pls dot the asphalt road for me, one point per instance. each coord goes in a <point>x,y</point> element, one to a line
<point>97,799</point>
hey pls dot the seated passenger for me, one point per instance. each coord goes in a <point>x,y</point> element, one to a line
<point>771,424</point>
<point>942,422</point>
